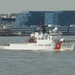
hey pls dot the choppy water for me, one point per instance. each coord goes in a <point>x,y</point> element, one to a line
<point>35,62</point>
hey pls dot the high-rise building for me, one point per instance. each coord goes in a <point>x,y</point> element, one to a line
<point>62,18</point>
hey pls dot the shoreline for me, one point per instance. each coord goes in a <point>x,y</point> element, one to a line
<point>28,35</point>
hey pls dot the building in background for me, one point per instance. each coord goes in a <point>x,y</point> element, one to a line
<point>7,19</point>
<point>62,18</point>
<point>27,21</point>
<point>29,18</point>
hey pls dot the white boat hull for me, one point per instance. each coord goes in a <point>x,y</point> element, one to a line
<point>33,46</point>
<point>67,46</point>
<point>28,46</point>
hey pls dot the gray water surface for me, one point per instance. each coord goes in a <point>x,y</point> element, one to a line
<point>14,62</point>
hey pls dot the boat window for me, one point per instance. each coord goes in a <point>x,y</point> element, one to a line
<point>42,38</point>
<point>49,38</point>
<point>46,37</point>
<point>6,44</point>
<point>39,38</point>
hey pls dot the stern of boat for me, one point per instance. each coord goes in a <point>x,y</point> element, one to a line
<point>60,46</point>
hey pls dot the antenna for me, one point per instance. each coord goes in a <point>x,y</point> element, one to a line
<point>42,23</point>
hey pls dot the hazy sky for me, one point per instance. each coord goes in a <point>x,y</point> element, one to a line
<point>13,6</point>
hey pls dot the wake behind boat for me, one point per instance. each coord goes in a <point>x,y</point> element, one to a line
<point>52,41</point>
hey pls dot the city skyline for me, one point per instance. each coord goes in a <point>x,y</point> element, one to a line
<point>12,6</point>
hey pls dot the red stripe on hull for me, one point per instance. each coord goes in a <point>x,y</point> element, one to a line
<point>57,46</point>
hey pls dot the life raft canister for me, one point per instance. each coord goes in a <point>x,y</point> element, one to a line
<point>57,46</point>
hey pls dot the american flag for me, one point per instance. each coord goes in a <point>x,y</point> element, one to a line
<point>38,27</point>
